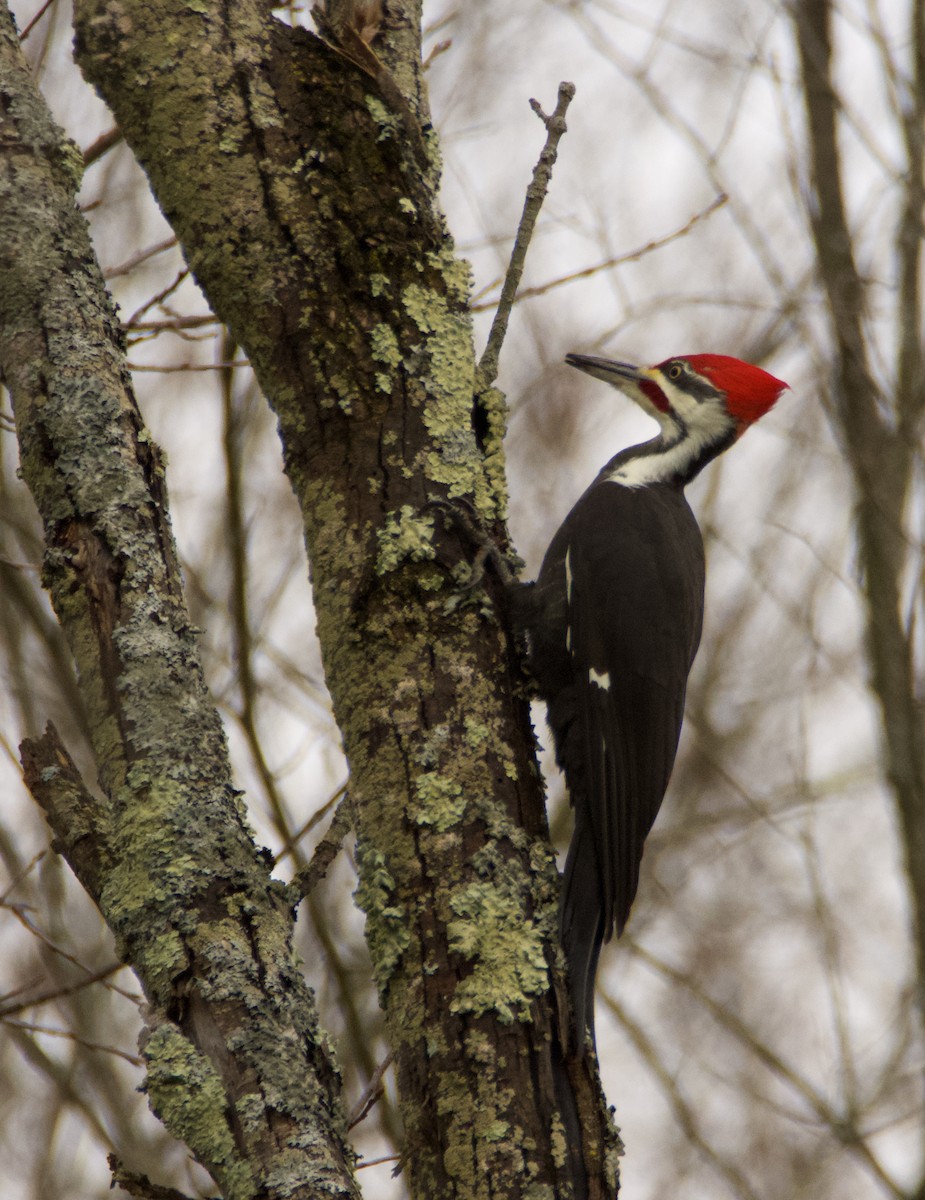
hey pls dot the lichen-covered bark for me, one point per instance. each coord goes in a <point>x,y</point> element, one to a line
<point>164,849</point>
<point>306,205</point>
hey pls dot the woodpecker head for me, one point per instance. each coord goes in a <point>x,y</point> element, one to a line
<point>702,397</point>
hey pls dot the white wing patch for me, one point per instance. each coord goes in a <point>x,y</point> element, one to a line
<point>601,678</point>
<point>568,596</point>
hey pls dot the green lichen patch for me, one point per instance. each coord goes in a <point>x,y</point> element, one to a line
<point>406,536</point>
<point>476,733</point>
<point>494,408</point>
<point>385,345</point>
<point>558,1141</point>
<point>504,948</point>
<point>388,122</point>
<point>342,393</point>
<point>448,373</point>
<point>440,801</point>
<point>456,272</point>
<point>185,1091</point>
<point>386,924</point>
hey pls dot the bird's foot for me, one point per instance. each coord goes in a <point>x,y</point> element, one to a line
<point>487,552</point>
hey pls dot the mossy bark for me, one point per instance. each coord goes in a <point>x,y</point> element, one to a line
<point>307,208</point>
<point>163,847</point>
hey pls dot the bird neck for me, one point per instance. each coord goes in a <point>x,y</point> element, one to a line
<point>673,458</point>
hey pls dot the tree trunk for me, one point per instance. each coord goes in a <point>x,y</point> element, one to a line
<point>301,179</point>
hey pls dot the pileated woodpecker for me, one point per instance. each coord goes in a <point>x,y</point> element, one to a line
<point>614,620</point>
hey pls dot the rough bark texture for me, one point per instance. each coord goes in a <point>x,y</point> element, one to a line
<point>290,172</point>
<point>164,848</point>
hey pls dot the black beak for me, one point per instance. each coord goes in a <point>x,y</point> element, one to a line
<point>605,368</point>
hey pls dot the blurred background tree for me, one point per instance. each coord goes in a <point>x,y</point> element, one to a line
<point>746,183</point>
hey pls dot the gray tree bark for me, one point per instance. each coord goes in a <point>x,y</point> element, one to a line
<point>301,178</point>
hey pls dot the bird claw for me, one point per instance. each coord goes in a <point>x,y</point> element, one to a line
<point>461,514</point>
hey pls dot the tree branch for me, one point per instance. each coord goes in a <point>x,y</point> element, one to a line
<point>72,812</point>
<point>322,247</point>
<point>308,878</point>
<point>536,194</point>
<point>880,450</point>
<point>163,847</point>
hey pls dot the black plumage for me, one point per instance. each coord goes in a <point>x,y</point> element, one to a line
<point>612,655</point>
<point>614,621</point>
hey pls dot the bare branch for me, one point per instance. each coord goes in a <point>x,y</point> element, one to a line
<point>125,268</point>
<point>371,1093</point>
<point>140,1185</point>
<point>536,194</point>
<point>308,878</point>
<point>103,144</point>
<point>841,1124</point>
<point>615,261</point>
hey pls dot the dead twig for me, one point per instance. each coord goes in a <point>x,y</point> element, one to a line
<point>326,851</point>
<point>536,194</point>
<point>371,1093</point>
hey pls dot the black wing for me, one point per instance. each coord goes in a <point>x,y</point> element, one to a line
<point>622,589</point>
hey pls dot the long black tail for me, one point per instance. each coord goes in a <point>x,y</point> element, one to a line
<point>581,927</point>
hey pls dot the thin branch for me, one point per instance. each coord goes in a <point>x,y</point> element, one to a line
<point>140,1185</point>
<point>617,260</point>
<point>35,20</point>
<point>157,299</point>
<point>536,194</point>
<point>103,144</point>
<point>377,1162</point>
<point>438,49</point>
<point>58,993</point>
<point>236,536</point>
<point>308,878</point>
<point>19,566</point>
<point>371,1093</point>
<point>312,821</point>
<point>174,325</point>
<point>172,369</point>
<point>70,1036</point>
<point>36,858</point>
<point>684,1112</point>
<point>910,375</point>
<point>840,1124</point>
<point>246,713</point>
<point>136,260</point>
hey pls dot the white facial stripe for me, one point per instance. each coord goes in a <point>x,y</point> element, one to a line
<point>683,404</point>
<point>673,460</point>
<point>568,575</point>
<point>708,414</point>
<point>700,424</point>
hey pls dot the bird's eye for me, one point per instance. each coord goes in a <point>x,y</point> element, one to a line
<point>675,371</point>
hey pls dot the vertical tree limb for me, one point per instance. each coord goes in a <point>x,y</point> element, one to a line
<point>303,210</point>
<point>879,433</point>
<point>163,848</point>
